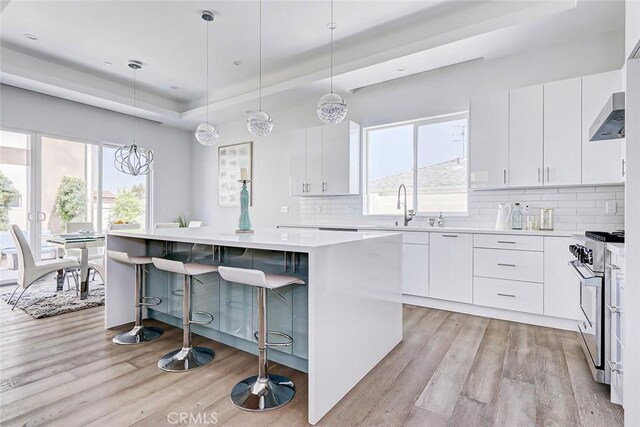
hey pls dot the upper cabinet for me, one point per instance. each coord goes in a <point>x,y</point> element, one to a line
<point>489,141</point>
<point>325,160</point>
<point>601,160</point>
<point>563,133</point>
<point>525,136</point>
<point>539,136</point>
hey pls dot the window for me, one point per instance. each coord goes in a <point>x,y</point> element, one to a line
<point>429,155</point>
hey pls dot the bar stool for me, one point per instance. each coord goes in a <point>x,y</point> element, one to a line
<point>264,391</point>
<point>188,357</point>
<point>139,333</point>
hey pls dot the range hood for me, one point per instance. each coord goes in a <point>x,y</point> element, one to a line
<point>610,122</point>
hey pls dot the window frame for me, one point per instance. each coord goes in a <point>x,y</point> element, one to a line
<point>415,124</point>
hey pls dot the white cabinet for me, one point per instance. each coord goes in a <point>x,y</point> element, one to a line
<point>451,266</point>
<point>525,136</point>
<point>563,133</point>
<point>508,294</point>
<point>561,286</point>
<point>601,160</point>
<point>325,160</point>
<point>617,308</point>
<point>489,140</point>
<point>415,269</point>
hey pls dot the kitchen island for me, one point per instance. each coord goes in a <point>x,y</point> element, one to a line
<point>344,320</point>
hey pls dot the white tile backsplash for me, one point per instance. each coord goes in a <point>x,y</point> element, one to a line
<point>575,208</point>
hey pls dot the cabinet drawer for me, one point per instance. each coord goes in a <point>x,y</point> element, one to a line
<point>506,241</point>
<point>509,295</point>
<point>513,265</point>
<point>415,238</point>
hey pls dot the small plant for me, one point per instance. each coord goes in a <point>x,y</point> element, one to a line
<point>183,221</point>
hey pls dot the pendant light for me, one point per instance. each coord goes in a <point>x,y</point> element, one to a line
<point>332,108</point>
<point>259,123</point>
<point>207,134</point>
<point>131,159</point>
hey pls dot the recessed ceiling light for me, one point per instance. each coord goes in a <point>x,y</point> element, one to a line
<point>402,68</point>
<point>31,36</point>
<point>108,63</point>
<point>332,25</point>
<point>174,87</point>
<point>237,63</point>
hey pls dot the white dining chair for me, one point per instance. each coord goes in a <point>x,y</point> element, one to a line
<point>30,271</point>
<point>167,225</point>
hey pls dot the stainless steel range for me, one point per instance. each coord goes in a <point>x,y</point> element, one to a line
<point>593,269</point>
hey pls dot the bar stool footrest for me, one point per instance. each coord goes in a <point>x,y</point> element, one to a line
<point>287,343</point>
<point>203,323</point>
<point>148,304</point>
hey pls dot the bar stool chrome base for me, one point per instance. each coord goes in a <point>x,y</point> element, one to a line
<point>262,394</point>
<point>186,359</point>
<point>137,335</point>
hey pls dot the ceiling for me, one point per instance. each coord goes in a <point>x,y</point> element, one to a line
<point>76,40</point>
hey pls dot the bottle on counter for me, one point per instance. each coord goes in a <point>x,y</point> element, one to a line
<point>516,217</point>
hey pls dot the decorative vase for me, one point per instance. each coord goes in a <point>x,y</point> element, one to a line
<point>244,223</point>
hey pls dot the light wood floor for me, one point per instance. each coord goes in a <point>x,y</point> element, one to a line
<point>450,369</point>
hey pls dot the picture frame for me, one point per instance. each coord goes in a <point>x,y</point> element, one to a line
<point>231,158</point>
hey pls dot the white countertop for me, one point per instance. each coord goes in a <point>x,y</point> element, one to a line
<point>370,227</point>
<point>273,239</point>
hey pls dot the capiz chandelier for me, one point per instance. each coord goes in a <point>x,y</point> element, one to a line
<point>332,108</point>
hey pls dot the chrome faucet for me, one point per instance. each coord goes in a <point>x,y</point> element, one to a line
<point>408,215</point>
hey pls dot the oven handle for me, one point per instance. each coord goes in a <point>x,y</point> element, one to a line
<point>593,281</point>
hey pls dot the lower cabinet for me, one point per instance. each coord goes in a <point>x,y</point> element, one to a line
<point>451,266</point>
<point>415,270</point>
<point>508,294</point>
<point>617,309</point>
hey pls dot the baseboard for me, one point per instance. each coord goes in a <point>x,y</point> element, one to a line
<point>494,313</point>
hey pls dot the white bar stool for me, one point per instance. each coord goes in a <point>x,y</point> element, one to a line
<point>188,357</point>
<point>264,391</point>
<point>139,333</point>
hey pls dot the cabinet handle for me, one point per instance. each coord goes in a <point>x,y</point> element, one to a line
<point>506,265</point>
<point>303,187</point>
<point>538,175</point>
<point>615,367</point>
<point>449,235</point>
<point>614,309</point>
<point>613,267</point>
<point>624,169</point>
<point>324,186</point>
<point>548,174</point>
<point>504,176</point>
<point>506,295</point>
<point>506,242</point>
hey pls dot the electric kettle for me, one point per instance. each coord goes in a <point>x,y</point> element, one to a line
<point>503,221</point>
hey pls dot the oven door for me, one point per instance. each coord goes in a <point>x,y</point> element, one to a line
<point>591,294</point>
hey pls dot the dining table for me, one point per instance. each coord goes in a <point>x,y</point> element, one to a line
<point>82,241</point>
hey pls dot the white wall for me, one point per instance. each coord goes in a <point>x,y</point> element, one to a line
<point>428,94</point>
<point>171,180</point>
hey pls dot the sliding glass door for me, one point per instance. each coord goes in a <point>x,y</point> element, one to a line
<point>47,182</point>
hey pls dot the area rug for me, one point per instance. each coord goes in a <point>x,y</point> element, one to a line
<point>46,302</point>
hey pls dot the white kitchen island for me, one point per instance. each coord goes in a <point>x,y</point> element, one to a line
<point>345,319</point>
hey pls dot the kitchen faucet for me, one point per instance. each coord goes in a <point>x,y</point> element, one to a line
<point>408,216</point>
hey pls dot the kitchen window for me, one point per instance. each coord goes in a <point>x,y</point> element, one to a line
<point>428,156</point>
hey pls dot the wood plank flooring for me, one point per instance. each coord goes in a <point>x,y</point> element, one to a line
<point>450,369</point>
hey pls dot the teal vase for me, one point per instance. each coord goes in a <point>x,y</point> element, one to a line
<point>244,223</point>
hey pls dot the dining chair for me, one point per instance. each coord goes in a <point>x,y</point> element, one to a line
<point>167,225</point>
<point>30,270</point>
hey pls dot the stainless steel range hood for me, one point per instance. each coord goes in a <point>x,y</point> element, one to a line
<point>610,122</point>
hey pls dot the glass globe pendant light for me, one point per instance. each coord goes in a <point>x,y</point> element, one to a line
<point>132,159</point>
<point>259,123</point>
<point>332,108</point>
<point>207,134</point>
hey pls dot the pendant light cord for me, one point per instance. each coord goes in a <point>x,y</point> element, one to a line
<point>260,60</point>
<point>332,27</point>
<point>134,106</point>
<point>207,71</point>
